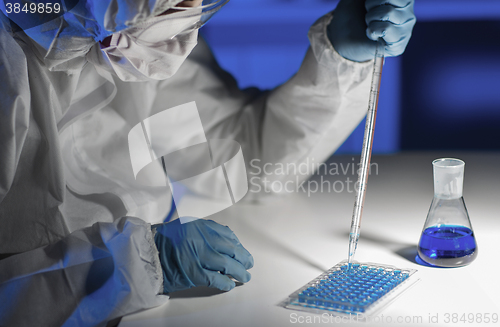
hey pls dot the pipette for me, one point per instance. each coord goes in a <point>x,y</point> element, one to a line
<point>366,151</point>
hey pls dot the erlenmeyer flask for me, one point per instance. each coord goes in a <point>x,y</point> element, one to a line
<point>447,238</point>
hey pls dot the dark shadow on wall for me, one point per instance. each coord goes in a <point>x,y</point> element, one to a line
<point>451,87</point>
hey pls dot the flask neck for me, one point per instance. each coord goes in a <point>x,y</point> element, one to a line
<point>448,180</point>
<point>447,195</point>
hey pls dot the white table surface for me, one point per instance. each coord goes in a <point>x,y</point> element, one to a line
<point>295,238</point>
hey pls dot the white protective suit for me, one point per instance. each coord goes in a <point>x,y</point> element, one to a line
<point>71,214</point>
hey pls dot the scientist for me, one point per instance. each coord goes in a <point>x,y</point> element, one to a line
<point>77,243</point>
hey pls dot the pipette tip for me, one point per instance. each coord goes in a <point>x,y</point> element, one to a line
<point>353,243</point>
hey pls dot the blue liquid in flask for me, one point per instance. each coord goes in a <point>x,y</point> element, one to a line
<point>447,246</point>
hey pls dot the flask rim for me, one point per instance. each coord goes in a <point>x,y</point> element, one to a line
<point>448,163</point>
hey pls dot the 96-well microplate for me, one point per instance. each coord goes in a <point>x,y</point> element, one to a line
<point>364,289</point>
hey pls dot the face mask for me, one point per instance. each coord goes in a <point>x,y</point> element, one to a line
<point>154,49</point>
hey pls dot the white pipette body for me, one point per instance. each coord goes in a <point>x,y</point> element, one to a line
<point>366,152</point>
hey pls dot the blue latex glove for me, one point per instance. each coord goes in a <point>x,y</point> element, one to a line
<point>357,24</point>
<point>200,253</point>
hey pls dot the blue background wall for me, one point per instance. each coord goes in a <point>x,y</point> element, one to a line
<point>443,93</point>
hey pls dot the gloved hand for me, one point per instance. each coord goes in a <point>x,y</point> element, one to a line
<point>357,24</point>
<point>200,253</point>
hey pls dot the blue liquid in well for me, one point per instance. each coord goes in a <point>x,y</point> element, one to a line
<point>447,246</point>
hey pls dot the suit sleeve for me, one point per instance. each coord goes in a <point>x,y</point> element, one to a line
<point>91,276</point>
<point>299,123</point>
